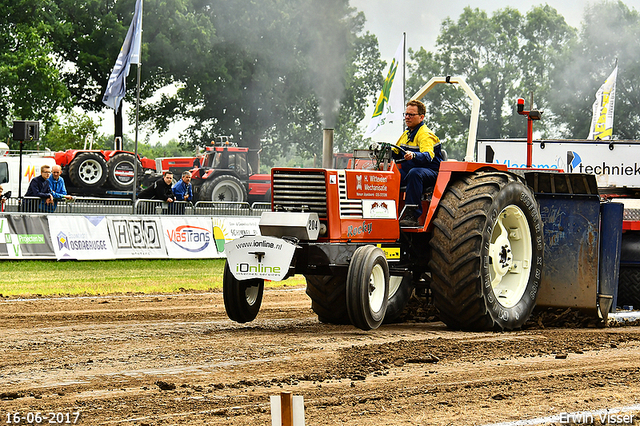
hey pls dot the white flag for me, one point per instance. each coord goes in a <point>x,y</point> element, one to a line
<point>129,54</point>
<point>602,120</point>
<point>390,104</point>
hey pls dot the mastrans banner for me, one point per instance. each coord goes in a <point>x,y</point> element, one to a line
<point>192,238</point>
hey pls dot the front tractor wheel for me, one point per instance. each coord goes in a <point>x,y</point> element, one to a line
<point>486,253</point>
<point>367,287</point>
<point>242,299</point>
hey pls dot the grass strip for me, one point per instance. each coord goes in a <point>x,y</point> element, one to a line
<point>147,276</point>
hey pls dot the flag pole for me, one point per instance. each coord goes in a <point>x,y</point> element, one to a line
<point>135,149</point>
<point>404,76</point>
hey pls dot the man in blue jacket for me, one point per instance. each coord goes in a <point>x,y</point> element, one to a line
<point>423,155</point>
<point>58,188</point>
<point>183,191</point>
<point>39,188</point>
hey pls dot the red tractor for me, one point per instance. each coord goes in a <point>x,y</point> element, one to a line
<point>478,253</point>
<point>89,171</point>
<point>226,175</point>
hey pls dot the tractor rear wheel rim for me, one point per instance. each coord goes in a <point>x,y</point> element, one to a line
<point>225,193</point>
<point>90,171</point>
<point>510,253</point>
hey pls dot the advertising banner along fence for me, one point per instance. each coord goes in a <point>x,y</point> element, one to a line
<point>119,237</point>
<point>25,236</point>
<point>81,237</point>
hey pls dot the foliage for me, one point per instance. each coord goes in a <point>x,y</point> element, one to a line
<point>274,76</point>
<point>30,85</point>
<point>77,130</point>
<point>610,34</point>
<point>502,57</point>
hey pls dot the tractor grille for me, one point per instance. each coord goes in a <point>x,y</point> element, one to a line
<point>348,208</point>
<point>300,191</point>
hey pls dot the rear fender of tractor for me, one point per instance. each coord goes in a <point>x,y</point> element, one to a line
<point>449,172</point>
<point>486,252</point>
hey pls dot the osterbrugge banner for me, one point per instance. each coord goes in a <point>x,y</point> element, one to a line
<point>81,237</point>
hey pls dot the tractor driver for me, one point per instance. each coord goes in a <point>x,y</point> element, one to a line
<point>423,156</point>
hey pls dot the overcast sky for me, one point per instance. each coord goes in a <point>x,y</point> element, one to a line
<point>421,20</point>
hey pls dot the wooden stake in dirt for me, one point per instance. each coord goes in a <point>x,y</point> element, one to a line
<point>287,410</point>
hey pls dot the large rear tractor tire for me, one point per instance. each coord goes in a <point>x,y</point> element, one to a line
<point>223,188</point>
<point>629,286</point>
<point>328,298</point>
<point>242,299</point>
<point>88,170</point>
<point>121,171</point>
<point>367,287</point>
<point>486,253</point>
<point>629,278</point>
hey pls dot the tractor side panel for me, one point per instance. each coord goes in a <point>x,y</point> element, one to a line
<point>349,213</point>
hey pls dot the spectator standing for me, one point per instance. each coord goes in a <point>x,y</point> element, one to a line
<point>39,187</point>
<point>183,191</point>
<point>57,186</point>
<point>158,190</point>
<point>198,162</point>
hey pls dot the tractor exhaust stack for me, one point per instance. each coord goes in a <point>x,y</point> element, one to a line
<point>327,148</point>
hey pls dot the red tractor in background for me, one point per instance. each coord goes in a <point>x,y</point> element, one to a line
<point>92,172</point>
<point>226,175</point>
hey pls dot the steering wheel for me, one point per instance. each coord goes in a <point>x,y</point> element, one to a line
<point>380,149</point>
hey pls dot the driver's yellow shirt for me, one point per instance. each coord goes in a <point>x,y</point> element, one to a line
<point>425,140</point>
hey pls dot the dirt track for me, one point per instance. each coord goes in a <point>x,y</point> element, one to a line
<point>108,357</point>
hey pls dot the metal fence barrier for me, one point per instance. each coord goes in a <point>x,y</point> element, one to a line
<point>123,206</point>
<point>76,205</point>
<point>223,208</point>
<point>158,207</point>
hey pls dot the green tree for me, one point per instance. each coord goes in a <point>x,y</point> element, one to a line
<point>277,74</point>
<point>502,57</point>
<point>77,130</point>
<point>242,68</point>
<point>30,84</point>
<point>610,33</point>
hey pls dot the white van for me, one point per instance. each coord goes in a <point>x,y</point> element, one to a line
<point>10,168</point>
